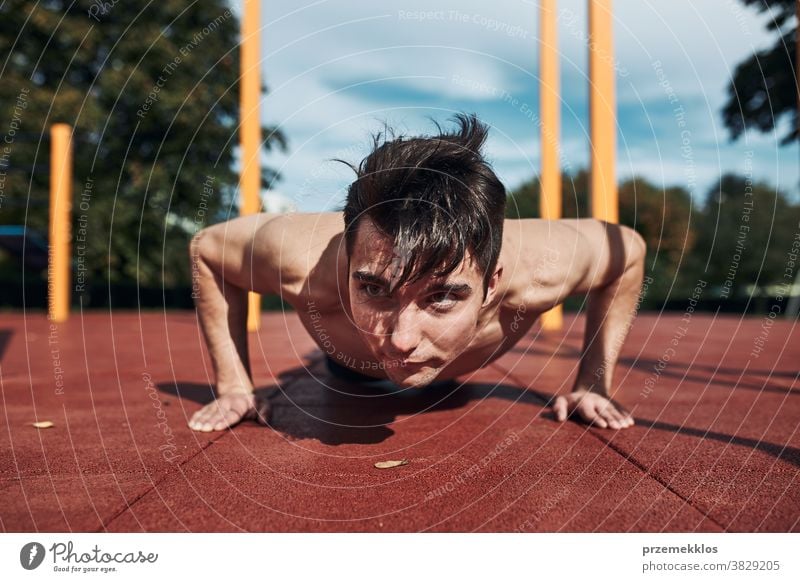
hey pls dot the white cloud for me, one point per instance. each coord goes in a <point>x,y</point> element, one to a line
<point>334,68</point>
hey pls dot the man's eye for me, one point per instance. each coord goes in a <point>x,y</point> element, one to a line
<point>372,290</point>
<point>444,297</point>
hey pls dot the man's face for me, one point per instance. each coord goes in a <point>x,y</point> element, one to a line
<point>416,330</point>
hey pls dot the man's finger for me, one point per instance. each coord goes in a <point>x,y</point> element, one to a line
<point>608,414</point>
<point>623,415</point>
<point>210,416</point>
<point>618,418</point>
<point>560,408</point>
<point>200,417</point>
<point>592,416</point>
<point>627,420</point>
<point>193,421</point>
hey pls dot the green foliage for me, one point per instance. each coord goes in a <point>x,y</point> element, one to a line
<point>740,237</point>
<point>744,235</point>
<point>763,87</point>
<point>575,195</point>
<point>152,92</point>
<point>524,201</point>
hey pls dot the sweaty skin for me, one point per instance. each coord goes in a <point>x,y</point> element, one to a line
<point>432,329</point>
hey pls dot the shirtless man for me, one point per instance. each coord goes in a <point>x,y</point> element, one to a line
<point>420,279</point>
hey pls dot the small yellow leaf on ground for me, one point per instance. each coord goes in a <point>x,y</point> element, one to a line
<point>390,464</point>
<point>43,424</point>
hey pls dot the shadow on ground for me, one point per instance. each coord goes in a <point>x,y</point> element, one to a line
<point>700,373</point>
<point>308,403</point>
<point>5,338</point>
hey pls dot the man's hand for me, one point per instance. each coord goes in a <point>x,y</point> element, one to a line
<point>228,410</point>
<point>593,408</point>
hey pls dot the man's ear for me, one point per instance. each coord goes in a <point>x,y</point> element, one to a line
<point>494,283</point>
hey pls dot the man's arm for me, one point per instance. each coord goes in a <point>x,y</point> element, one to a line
<point>223,257</point>
<point>613,282</point>
<point>222,311</point>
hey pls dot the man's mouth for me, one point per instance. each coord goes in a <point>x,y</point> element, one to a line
<point>419,364</point>
<point>398,363</point>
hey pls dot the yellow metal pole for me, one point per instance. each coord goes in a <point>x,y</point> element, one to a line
<point>549,112</point>
<point>250,131</point>
<point>58,269</point>
<point>602,112</point>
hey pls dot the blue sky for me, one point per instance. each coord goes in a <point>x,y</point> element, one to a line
<point>335,70</point>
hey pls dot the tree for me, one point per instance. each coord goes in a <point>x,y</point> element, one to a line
<point>743,236</point>
<point>523,202</point>
<point>740,238</point>
<point>666,220</point>
<point>152,92</point>
<point>764,88</point>
<point>662,216</point>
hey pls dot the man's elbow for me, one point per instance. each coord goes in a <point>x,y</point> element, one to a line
<point>206,242</point>
<point>638,246</point>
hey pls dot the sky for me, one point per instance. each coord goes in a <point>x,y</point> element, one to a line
<point>336,70</point>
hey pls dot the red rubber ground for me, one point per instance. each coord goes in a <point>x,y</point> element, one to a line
<point>715,447</point>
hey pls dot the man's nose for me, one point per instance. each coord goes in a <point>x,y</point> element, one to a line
<point>404,333</point>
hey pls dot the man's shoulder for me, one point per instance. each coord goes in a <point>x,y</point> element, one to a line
<point>539,245</point>
<point>547,260</point>
<point>305,245</point>
<point>308,223</point>
<point>301,233</point>
<point>537,230</point>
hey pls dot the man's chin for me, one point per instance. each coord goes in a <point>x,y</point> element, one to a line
<point>413,378</point>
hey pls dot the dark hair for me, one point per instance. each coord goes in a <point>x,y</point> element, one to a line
<point>434,196</point>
